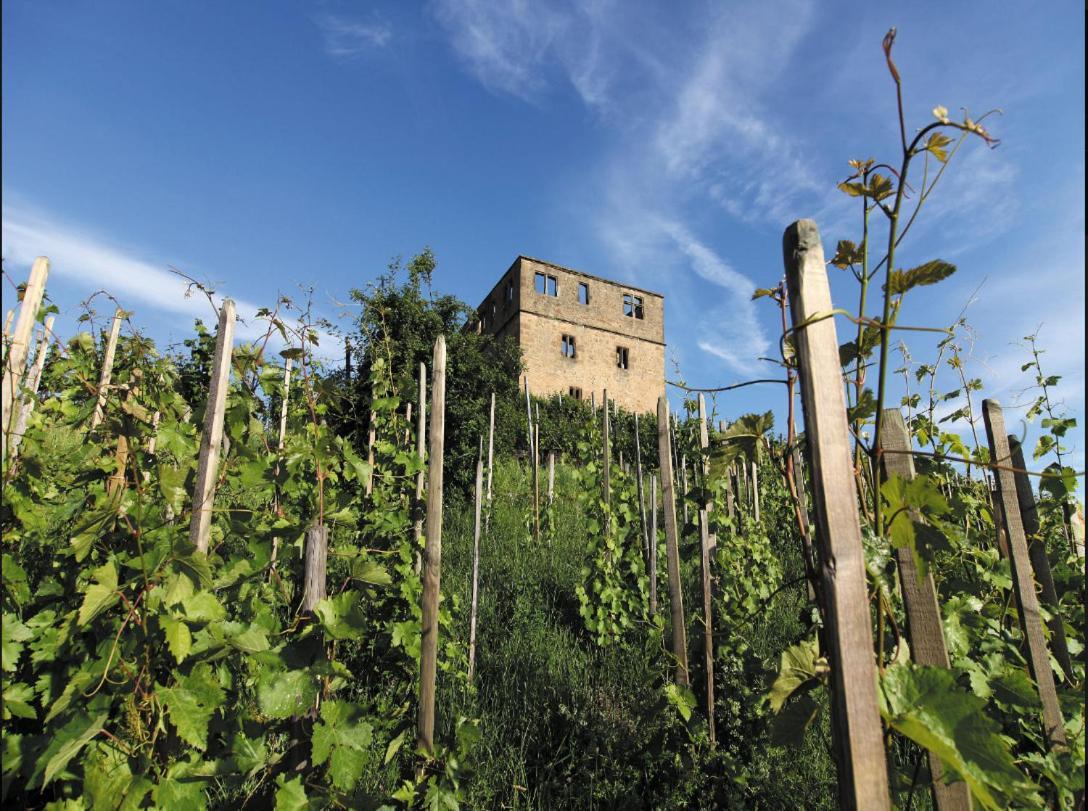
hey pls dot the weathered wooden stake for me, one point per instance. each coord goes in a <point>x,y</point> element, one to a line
<point>536,481</point>
<point>490,454</point>
<point>863,776</point>
<point>676,597</point>
<point>313,577</point>
<point>641,497</point>
<point>551,478</point>
<point>25,405</point>
<point>200,526</point>
<point>19,348</point>
<point>107,369</point>
<point>475,570</point>
<point>432,567</point>
<point>684,486</point>
<point>606,477</point>
<point>1027,604</point>
<point>421,452</point>
<point>283,404</point>
<point>924,632</point>
<point>1029,513</point>
<point>755,491</point>
<point>653,544</point>
<point>705,547</point>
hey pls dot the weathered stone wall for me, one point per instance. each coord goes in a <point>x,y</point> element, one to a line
<point>539,321</point>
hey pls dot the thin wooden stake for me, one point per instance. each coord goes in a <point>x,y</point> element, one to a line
<point>653,544</point>
<point>863,776</point>
<point>1029,513</point>
<point>475,570</point>
<point>7,323</point>
<point>19,348</point>
<point>1027,604</point>
<point>606,478</point>
<point>432,567</point>
<point>536,481</point>
<point>200,526</point>
<point>672,548</point>
<point>25,405</point>
<point>283,404</point>
<point>705,547</point>
<point>490,453</point>
<point>551,478</point>
<point>684,486</point>
<point>421,452</point>
<point>641,497</point>
<point>107,369</point>
<point>755,491</point>
<point>313,577</point>
<point>927,645</point>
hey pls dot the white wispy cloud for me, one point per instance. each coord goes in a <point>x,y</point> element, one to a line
<point>91,262</point>
<point>347,38</point>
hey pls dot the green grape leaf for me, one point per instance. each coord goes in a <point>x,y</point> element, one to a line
<point>283,694</point>
<point>931,272</point>
<point>101,594</point>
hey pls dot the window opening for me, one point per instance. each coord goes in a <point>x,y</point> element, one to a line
<point>583,293</point>
<point>632,306</point>
<point>546,285</point>
<point>510,290</point>
<point>575,392</point>
<point>623,357</point>
<point>568,346</point>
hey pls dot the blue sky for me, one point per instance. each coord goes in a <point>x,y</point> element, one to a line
<point>261,146</point>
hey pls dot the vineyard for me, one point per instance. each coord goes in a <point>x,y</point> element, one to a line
<point>239,576</point>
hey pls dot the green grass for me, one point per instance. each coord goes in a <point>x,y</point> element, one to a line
<point>569,724</point>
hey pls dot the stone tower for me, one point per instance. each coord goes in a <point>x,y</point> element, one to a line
<point>580,333</point>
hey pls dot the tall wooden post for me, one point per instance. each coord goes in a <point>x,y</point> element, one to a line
<point>684,486</point>
<point>755,491</point>
<point>641,496</point>
<point>705,547</point>
<point>107,369</point>
<point>15,362</point>
<point>676,597</point>
<point>211,438</point>
<point>25,405</point>
<point>863,776</point>
<point>432,567</point>
<point>1040,563</point>
<point>475,570</point>
<point>490,452</point>
<point>653,544</point>
<point>606,477</point>
<point>1027,604</point>
<point>421,452</point>
<point>284,402</point>
<point>551,478</point>
<point>924,632</point>
<point>313,577</point>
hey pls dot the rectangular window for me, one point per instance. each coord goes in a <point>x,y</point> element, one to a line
<point>576,392</point>
<point>510,290</point>
<point>546,285</point>
<point>583,293</point>
<point>632,306</point>
<point>568,346</point>
<point>494,309</point>
<point>623,357</point>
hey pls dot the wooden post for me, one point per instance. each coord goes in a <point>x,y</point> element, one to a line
<point>863,776</point>
<point>283,404</point>
<point>1029,514</point>
<point>200,526</point>
<point>653,544</point>
<point>529,419</point>
<point>421,452</point>
<point>705,547</point>
<point>475,570</point>
<point>490,453</point>
<point>551,478</point>
<point>606,470</point>
<point>684,486</point>
<point>676,597</point>
<point>432,568</point>
<point>313,577</point>
<point>107,369</point>
<point>755,491</point>
<point>370,440</point>
<point>15,363</point>
<point>924,632</point>
<point>1027,604</point>
<point>536,481</point>
<point>25,405</point>
<point>641,496</point>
